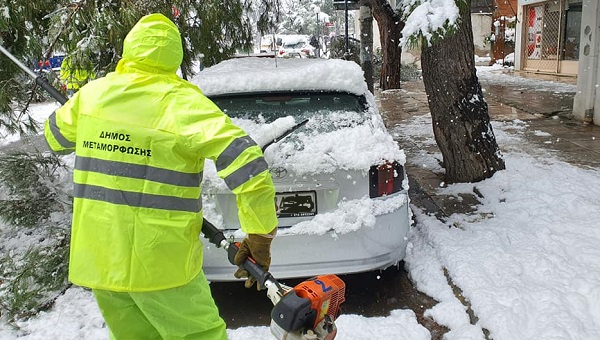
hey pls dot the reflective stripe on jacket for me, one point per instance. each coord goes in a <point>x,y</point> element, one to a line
<point>140,136</point>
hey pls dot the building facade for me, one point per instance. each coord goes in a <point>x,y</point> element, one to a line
<point>481,21</point>
<point>548,36</point>
<point>563,37</point>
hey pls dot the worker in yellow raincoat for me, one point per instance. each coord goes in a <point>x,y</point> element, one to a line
<point>140,137</point>
<point>73,78</point>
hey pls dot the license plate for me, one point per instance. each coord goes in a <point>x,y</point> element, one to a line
<point>296,204</point>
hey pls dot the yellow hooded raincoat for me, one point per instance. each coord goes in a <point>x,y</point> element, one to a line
<point>140,136</point>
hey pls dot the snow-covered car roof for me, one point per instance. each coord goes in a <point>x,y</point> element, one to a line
<point>247,75</point>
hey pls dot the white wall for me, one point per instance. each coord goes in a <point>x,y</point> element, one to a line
<point>519,37</point>
<point>482,27</point>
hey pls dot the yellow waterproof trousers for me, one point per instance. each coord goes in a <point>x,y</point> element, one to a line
<point>186,312</point>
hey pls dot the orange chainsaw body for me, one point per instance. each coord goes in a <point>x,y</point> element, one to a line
<point>326,293</point>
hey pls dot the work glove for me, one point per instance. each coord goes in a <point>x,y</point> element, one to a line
<point>258,247</point>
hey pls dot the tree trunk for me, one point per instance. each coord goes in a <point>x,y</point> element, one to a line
<point>390,28</point>
<point>366,44</point>
<point>461,123</point>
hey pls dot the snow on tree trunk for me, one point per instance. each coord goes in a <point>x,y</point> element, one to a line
<point>461,123</point>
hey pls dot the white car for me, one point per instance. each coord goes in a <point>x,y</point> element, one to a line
<point>298,50</point>
<point>296,46</point>
<point>342,195</point>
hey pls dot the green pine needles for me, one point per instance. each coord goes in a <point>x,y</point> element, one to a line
<point>31,282</point>
<point>34,239</point>
<point>28,180</point>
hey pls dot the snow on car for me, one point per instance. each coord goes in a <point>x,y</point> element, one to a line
<point>342,198</point>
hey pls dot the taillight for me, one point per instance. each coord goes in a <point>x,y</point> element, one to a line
<point>385,179</point>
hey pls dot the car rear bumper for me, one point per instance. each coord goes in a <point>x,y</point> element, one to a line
<point>299,256</point>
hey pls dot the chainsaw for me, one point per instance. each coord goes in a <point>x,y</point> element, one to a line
<point>305,312</point>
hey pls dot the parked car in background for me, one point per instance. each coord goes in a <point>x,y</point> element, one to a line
<point>342,197</point>
<point>296,46</point>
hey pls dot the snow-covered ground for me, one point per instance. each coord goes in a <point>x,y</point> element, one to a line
<point>528,261</point>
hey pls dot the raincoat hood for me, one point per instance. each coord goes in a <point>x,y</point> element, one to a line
<point>153,45</point>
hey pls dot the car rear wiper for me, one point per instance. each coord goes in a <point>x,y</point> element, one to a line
<point>285,134</point>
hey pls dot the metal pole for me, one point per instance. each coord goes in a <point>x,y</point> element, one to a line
<point>346,51</point>
<point>559,44</point>
<point>18,62</point>
<point>318,36</point>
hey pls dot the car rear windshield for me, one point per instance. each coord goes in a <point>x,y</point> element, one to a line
<point>271,106</point>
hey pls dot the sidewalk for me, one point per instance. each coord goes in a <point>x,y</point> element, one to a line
<point>510,97</point>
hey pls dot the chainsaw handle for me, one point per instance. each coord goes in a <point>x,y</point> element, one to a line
<point>250,265</point>
<point>216,237</point>
<point>213,234</point>
<point>43,82</point>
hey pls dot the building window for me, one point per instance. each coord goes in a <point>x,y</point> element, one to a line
<point>572,31</point>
